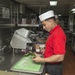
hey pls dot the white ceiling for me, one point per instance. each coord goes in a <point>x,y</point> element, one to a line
<point>63,6</point>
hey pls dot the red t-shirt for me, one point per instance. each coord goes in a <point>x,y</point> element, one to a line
<point>56,42</point>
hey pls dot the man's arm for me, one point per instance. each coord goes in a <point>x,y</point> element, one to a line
<point>53,58</point>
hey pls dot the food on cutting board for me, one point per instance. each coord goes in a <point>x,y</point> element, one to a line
<point>30,53</point>
<point>33,55</point>
<point>27,54</point>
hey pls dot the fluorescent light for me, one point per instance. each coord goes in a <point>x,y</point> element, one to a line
<point>59,15</point>
<point>53,3</point>
<point>73,12</point>
<point>73,9</point>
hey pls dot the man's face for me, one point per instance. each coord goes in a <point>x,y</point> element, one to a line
<point>47,25</point>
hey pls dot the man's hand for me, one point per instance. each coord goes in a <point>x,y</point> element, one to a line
<point>37,58</point>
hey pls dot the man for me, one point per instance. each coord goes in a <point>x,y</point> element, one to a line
<point>55,44</point>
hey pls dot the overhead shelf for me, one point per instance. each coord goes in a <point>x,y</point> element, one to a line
<point>6,25</point>
<point>29,25</point>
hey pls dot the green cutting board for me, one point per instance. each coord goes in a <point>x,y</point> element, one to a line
<point>26,64</point>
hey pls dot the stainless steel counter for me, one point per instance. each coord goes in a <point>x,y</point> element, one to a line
<point>8,60</point>
<point>11,73</point>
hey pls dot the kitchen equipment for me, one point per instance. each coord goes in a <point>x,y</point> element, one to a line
<point>23,32</point>
<point>20,39</point>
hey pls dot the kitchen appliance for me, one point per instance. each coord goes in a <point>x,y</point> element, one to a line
<point>20,39</point>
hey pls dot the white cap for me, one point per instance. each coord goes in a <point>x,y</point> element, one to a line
<point>46,15</point>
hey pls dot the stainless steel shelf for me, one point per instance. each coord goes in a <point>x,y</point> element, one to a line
<point>29,25</point>
<point>2,25</point>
